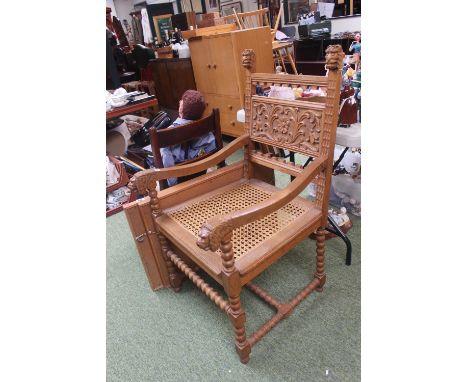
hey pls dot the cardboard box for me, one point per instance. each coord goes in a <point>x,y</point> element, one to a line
<point>209,16</point>
<point>210,22</point>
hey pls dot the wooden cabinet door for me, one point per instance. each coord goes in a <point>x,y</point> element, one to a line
<point>202,64</point>
<point>181,78</point>
<point>223,65</point>
<point>162,84</point>
<point>228,107</point>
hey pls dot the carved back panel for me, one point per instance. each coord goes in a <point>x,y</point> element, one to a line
<point>304,126</point>
<point>301,126</point>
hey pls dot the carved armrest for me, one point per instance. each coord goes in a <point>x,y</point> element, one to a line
<point>217,227</point>
<point>146,180</point>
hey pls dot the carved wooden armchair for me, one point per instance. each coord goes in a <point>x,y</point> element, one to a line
<point>233,225</point>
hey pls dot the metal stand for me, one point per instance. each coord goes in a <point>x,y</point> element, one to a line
<point>338,232</point>
<point>335,229</point>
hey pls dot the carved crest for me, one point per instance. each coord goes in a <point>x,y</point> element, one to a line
<point>143,181</point>
<point>248,58</point>
<point>334,57</point>
<point>212,232</point>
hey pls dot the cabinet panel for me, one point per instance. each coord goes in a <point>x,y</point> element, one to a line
<point>162,84</point>
<point>258,39</point>
<point>201,63</point>
<point>228,107</point>
<point>181,78</point>
<point>223,65</point>
<point>172,77</point>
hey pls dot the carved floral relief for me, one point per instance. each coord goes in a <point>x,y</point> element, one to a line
<point>293,127</point>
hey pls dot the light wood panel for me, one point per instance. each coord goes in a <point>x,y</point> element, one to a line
<point>219,75</point>
<point>228,107</point>
<point>201,63</point>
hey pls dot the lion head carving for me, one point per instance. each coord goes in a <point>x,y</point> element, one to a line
<point>212,232</point>
<point>334,57</point>
<point>248,57</point>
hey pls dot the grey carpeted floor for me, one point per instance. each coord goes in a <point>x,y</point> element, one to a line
<point>164,336</point>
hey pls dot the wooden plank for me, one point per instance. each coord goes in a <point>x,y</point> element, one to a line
<point>209,261</point>
<point>258,39</point>
<point>138,229</point>
<point>147,216</point>
<point>146,180</point>
<point>119,111</point>
<point>198,186</point>
<point>275,163</point>
<point>208,31</point>
<point>271,250</point>
<point>290,80</point>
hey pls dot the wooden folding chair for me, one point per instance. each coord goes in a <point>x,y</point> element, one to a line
<point>248,20</point>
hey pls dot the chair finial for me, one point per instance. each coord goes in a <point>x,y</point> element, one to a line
<point>334,57</point>
<point>248,58</point>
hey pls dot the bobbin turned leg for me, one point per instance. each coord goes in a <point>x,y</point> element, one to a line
<point>232,286</point>
<point>320,258</point>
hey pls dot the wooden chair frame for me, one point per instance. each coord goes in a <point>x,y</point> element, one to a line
<point>183,135</point>
<point>248,20</point>
<point>314,129</point>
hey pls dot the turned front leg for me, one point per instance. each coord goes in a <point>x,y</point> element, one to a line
<point>320,258</point>
<point>232,286</point>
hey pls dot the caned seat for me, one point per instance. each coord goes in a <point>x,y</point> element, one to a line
<point>252,241</point>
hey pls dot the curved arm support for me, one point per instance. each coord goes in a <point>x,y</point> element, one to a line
<point>215,228</point>
<point>146,180</point>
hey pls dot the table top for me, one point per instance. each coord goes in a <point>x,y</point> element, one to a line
<point>126,109</point>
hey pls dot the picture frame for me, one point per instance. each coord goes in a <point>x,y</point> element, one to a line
<point>213,5</point>
<point>162,23</point>
<point>226,9</point>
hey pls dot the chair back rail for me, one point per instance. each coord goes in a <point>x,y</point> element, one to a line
<point>183,135</point>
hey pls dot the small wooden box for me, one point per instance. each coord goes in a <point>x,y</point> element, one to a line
<point>211,15</point>
<point>210,22</point>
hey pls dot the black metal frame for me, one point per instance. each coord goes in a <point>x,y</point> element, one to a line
<point>335,229</point>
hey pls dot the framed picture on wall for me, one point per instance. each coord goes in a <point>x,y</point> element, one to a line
<point>226,9</point>
<point>213,4</point>
<point>162,23</point>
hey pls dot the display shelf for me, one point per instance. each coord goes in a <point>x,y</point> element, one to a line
<point>136,106</point>
<point>310,53</point>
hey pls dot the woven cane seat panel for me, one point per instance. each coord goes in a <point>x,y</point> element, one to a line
<point>249,236</point>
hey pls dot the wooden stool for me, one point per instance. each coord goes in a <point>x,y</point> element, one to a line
<point>281,51</point>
